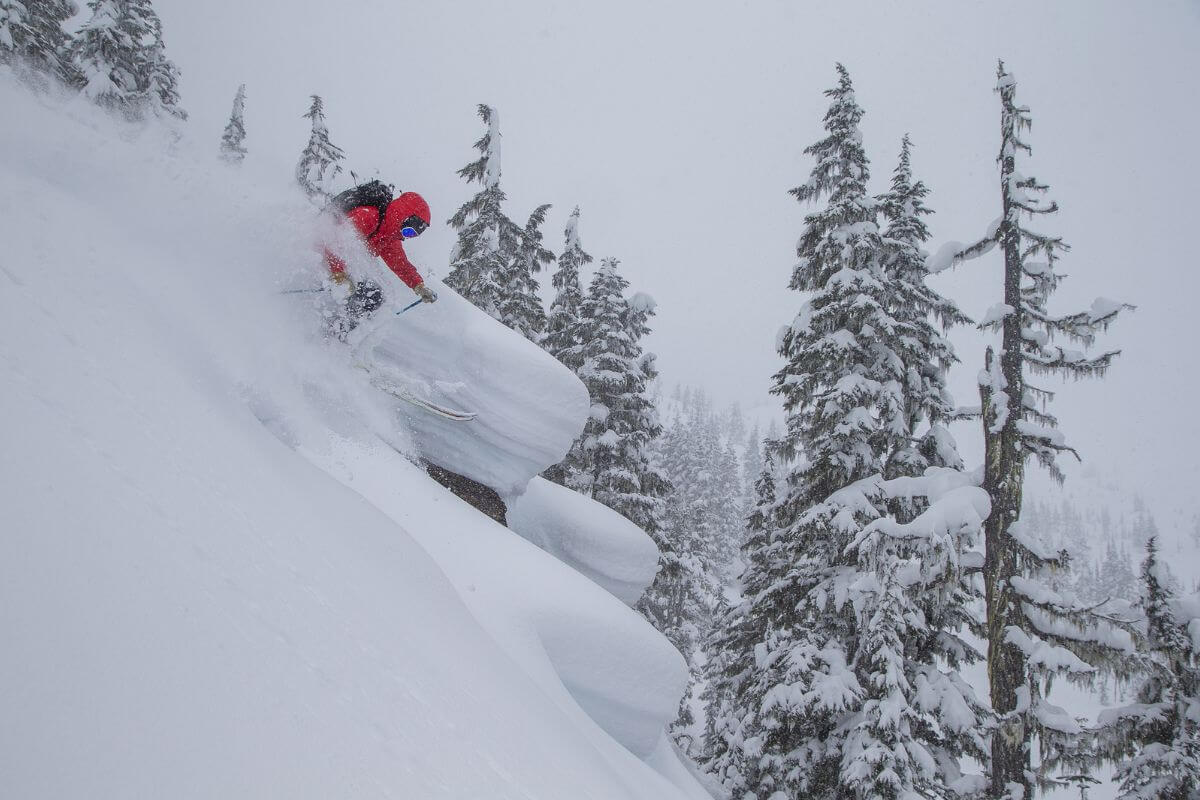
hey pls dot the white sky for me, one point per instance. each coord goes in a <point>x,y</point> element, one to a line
<point>678,127</point>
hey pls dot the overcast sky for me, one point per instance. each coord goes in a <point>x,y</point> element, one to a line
<point>678,127</point>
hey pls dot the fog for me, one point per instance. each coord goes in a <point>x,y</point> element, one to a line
<point>678,127</point>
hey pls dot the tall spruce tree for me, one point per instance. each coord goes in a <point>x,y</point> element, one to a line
<point>488,240</point>
<point>562,325</point>
<point>320,162</point>
<point>233,151</point>
<point>1159,735</point>
<point>857,590</point>
<point>1033,631</point>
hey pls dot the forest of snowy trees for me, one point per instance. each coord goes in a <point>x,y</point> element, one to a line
<point>828,573</point>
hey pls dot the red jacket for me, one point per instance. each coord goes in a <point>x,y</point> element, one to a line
<point>387,243</point>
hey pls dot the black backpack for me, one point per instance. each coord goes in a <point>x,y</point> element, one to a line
<point>372,193</point>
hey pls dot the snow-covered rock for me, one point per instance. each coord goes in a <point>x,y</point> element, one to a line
<point>530,407</point>
<point>592,538</point>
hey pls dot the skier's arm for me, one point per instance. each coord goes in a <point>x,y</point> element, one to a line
<point>392,253</point>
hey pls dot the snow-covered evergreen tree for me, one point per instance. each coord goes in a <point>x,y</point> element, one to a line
<point>520,305</point>
<point>1034,632</point>
<point>702,518</point>
<point>752,465</point>
<point>233,151</point>
<point>1158,737</point>
<point>15,34</point>
<point>33,41</point>
<point>612,461</point>
<point>122,60</point>
<point>857,593</point>
<point>107,51</point>
<point>320,162</point>
<point>615,441</point>
<point>161,74</point>
<point>1114,576</point>
<point>487,239</point>
<point>735,731</point>
<point>919,407</point>
<point>562,325</point>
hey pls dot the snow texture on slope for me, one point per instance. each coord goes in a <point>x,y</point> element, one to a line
<point>595,540</point>
<point>219,577</point>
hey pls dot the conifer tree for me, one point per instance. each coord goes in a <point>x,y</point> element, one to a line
<point>320,162</point>
<point>520,305</point>
<point>32,39</point>
<point>161,74</point>
<point>1033,632</point>
<point>562,325</point>
<point>122,60</point>
<point>232,149</point>
<point>487,239</point>
<point>920,402</point>
<point>858,590</point>
<point>614,446</point>
<point>1158,736</point>
<point>108,53</point>
<point>15,33</point>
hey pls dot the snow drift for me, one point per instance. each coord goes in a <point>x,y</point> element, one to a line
<point>220,575</point>
<point>593,539</point>
<point>529,407</point>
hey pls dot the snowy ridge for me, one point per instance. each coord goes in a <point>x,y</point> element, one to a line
<point>220,576</point>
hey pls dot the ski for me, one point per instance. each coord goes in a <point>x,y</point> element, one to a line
<point>433,408</point>
<point>404,393</point>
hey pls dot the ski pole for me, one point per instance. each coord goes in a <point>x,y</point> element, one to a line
<point>300,291</point>
<point>413,304</point>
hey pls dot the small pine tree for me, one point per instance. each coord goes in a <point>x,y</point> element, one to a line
<point>563,338</point>
<point>487,239</point>
<point>1158,737</point>
<point>320,162</point>
<point>919,403</point>
<point>232,149</point>
<point>562,326</point>
<point>622,424</point>
<point>520,306</point>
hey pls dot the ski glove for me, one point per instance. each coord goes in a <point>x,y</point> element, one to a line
<point>342,284</point>
<point>425,293</point>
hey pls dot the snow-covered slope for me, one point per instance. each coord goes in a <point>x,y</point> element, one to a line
<point>219,576</point>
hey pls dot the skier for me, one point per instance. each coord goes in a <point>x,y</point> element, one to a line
<point>383,225</point>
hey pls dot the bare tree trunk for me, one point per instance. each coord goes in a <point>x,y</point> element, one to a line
<point>1004,478</point>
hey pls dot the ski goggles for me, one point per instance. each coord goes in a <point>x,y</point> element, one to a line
<point>413,226</point>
